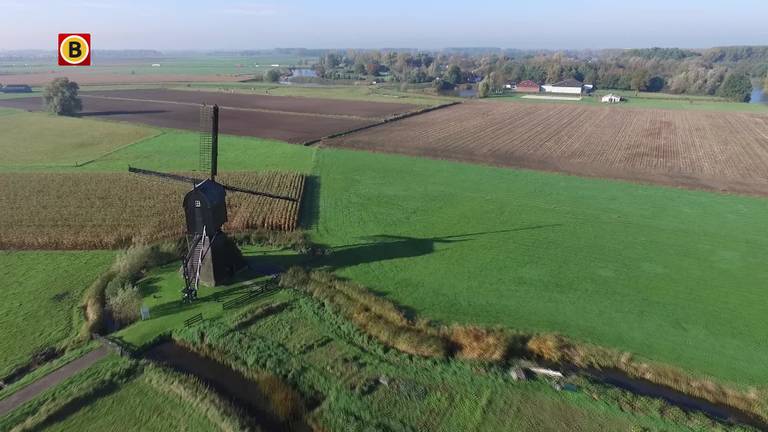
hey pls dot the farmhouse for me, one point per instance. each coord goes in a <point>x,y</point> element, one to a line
<point>528,86</point>
<point>569,86</point>
<point>16,88</point>
<point>611,98</point>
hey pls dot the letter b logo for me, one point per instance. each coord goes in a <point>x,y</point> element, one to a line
<point>74,49</point>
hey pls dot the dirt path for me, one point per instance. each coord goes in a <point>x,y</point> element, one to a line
<point>31,391</point>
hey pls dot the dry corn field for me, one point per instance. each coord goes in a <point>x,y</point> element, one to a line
<point>708,150</point>
<point>109,210</point>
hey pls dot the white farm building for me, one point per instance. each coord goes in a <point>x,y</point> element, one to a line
<point>569,86</point>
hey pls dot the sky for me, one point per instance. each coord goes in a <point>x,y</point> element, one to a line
<point>238,24</point>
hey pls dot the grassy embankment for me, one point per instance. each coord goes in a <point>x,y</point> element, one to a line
<point>360,383</point>
<point>42,292</point>
<point>134,395</point>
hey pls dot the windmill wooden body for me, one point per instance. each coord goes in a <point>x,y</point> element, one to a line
<point>211,258</point>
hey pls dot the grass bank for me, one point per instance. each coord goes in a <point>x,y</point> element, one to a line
<point>353,382</point>
<point>389,324</point>
<point>42,292</point>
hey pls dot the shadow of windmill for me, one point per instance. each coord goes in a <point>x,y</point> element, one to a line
<point>246,288</point>
<point>384,247</point>
<point>375,248</point>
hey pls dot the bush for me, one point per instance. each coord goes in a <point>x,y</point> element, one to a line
<point>60,97</point>
<point>737,87</point>
<point>125,305</point>
<point>115,285</point>
<point>441,84</point>
<point>127,268</point>
<point>272,75</point>
<point>483,89</point>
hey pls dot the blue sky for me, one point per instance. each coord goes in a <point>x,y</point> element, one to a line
<point>237,24</point>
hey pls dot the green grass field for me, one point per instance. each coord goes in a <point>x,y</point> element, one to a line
<point>42,292</point>
<point>135,406</point>
<point>674,276</point>
<point>30,139</point>
<point>178,151</point>
<point>656,271</point>
<point>200,65</point>
<point>629,266</point>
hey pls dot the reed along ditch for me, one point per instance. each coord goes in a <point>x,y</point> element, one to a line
<point>719,412</point>
<point>247,395</point>
<point>232,385</point>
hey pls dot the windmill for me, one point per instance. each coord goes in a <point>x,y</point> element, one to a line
<point>212,258</point>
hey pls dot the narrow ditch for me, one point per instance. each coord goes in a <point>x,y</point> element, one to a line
<point>247,395</point>
<point>231,384</point>
<point>719,412</point>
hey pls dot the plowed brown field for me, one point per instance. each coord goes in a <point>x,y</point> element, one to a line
<point>708,150</point>
<point>292,119</point>
<point>109,210</point>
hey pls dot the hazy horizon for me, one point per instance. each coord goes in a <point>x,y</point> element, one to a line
<point>241,25</point>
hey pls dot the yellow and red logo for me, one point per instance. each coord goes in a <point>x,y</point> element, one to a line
<point>74,49</point>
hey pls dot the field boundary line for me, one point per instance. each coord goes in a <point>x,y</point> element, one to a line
<point>382,122</point>
<point>261,110</point>
<point>160,133</point>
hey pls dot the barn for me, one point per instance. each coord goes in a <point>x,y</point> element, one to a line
<point>528,86</point>
<point>569,86</point>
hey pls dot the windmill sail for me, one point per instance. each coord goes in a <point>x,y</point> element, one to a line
<point>196,181</point>
<point>209,139</point>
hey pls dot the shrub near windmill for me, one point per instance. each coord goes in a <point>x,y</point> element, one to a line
<point>212,258</point>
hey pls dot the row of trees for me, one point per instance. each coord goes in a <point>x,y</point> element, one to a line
<point>654,69</point>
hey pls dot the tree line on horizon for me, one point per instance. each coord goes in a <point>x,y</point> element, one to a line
<point>725,72</point>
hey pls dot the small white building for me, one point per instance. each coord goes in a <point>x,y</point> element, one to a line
<point>611,98</point>
<point>569,86</point>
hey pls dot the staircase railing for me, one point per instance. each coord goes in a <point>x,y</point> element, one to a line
<point>200,243</point>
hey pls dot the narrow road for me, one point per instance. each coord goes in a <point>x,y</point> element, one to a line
<point>32,390</point>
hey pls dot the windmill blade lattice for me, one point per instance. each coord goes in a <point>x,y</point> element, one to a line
<point>208,137</point>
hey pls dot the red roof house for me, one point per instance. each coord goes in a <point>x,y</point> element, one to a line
<point>528,86</point>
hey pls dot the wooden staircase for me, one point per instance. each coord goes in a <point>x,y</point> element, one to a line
<point>192,263</point>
